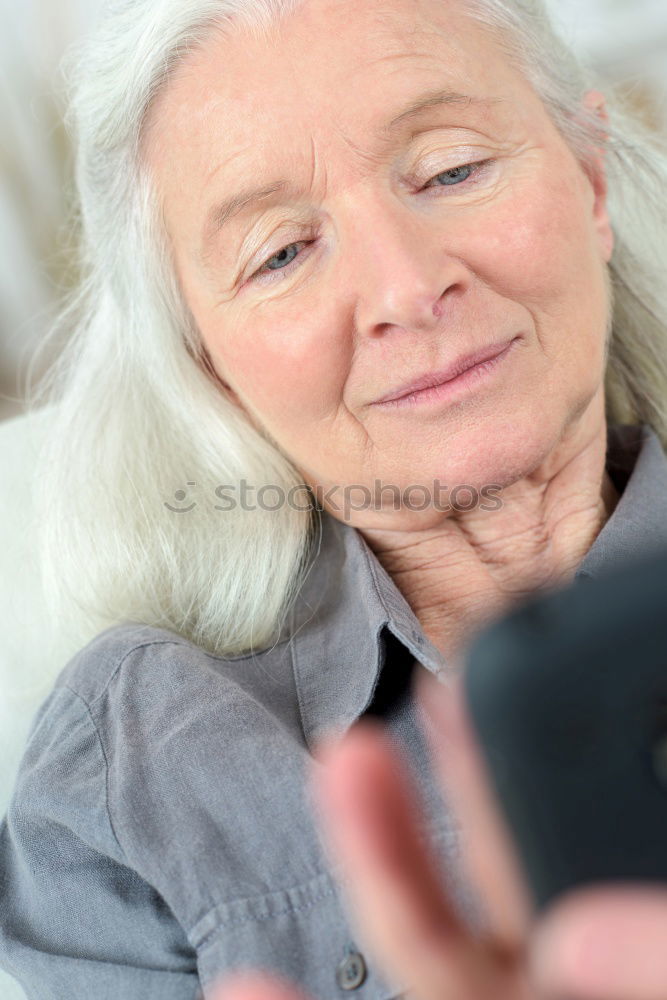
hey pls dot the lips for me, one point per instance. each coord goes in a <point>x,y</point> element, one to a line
<point>457,367</point>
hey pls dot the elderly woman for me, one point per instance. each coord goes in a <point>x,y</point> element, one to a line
<point>362,354</point>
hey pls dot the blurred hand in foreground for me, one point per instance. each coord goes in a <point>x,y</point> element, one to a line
<point>600,943</point>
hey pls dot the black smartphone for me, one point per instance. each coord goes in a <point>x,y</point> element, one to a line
<point>568,699</point>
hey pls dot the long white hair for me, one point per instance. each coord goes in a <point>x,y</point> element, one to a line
<point>137,411</point>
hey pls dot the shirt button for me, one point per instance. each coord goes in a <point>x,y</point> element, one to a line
<point>351,972</point>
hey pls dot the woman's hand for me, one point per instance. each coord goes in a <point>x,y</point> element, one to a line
<point>607,943</point>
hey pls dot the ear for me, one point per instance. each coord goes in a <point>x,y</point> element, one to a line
<point>596,170</point>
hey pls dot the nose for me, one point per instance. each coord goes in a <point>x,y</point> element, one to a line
<point>404,273</point>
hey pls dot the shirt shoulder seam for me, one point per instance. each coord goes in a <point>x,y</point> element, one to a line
<point>128,652</point>
<point>106,766</point>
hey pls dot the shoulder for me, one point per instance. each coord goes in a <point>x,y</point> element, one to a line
<point>188,770</point>
<point>198,750</point>
<point>131,664</point>
<point>161,705</point>
<point>164,711</point>
<point>90,671</point>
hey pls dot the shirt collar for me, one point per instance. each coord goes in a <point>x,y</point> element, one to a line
<point>638,524</point>
<point>336,627</point>
<point>348,599</point>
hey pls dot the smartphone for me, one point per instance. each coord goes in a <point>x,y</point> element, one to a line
<point>568,698</point>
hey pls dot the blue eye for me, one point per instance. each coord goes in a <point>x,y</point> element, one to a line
<point>456,175</point>
<point>282,257</point>
<point>279,261</point>
<point>282,260</point>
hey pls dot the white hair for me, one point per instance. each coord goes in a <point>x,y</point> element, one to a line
<point>138,411</point>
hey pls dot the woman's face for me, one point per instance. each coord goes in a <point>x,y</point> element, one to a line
<point>417,206</point>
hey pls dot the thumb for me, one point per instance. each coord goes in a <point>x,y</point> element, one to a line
<point>250,985</point>
<point>603,941</point>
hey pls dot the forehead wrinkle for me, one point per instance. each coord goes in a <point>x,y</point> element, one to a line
<point>384,136</point>
<point>313,170</point>
<point>368,156</point>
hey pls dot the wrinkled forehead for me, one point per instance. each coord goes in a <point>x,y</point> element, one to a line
<point>327,98</point>
<point>329,64</point>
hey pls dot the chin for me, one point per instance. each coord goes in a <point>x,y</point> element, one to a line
<point>500,453</point>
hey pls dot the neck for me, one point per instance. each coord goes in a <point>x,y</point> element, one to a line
<point>474,565</point>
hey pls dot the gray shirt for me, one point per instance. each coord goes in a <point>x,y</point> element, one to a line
<point>160,834</point>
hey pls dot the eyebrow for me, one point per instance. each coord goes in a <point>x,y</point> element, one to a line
<point>433,99</point>
<point>220,214</point>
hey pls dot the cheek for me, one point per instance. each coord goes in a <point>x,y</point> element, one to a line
<point>542,242</point>
<point>543,253</point>
<point>286,370</point>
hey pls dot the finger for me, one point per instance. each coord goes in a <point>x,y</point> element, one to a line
<point>604,941</point>
<point>256,986</point>
<point>398,900</point>
<point>486,842</point>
